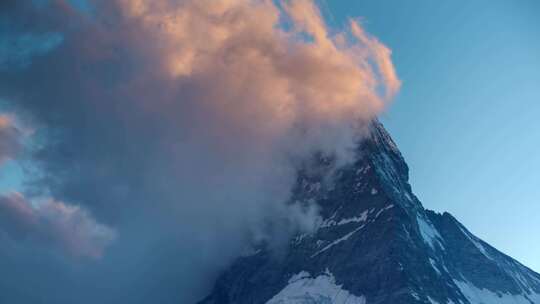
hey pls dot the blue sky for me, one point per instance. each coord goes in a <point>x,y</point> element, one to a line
<point>466,118</point>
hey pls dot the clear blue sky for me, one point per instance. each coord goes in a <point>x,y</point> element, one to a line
<point>468,116</point>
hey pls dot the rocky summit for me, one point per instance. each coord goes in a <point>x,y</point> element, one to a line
<point>375,244</point>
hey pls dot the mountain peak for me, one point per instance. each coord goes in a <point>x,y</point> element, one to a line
<point>375,243</point>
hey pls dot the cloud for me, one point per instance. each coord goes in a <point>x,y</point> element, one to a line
<point>53,225</point>
<point>10,139</point>
<point>381,55</point>
<point>182,125</point>
<point>15,52</point>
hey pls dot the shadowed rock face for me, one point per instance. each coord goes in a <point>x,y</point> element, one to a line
<point>375,243</point>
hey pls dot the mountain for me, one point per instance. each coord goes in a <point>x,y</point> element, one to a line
<point>375,244</point>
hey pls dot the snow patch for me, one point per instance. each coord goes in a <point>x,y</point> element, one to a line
<point>434,265</point>
<point>384,209</point>
<point>408,196</point>
<point>477,295</point>
<point>429,232</point>
<point>299,238</point>
<point>432,301</point>
<point>341,239</point>
<point>357,219</point>
<point>304,289</point>
<point>362,171</point>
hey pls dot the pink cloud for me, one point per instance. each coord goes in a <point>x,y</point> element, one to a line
<point>252,74</point>
<point>54,225</point>
<point>10,138</point>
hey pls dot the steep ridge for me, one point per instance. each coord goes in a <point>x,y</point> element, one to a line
<point>375,243</point>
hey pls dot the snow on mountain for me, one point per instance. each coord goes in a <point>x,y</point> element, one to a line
<point>302,288</point>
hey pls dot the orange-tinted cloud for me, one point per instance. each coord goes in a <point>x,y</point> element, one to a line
<point>252,73</point>
<point>381,55</point>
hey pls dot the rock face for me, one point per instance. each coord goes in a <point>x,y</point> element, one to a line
<point>375,244</point>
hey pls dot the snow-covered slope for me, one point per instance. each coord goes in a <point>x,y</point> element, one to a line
<point>375,243</point>
<point>302,288</point>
